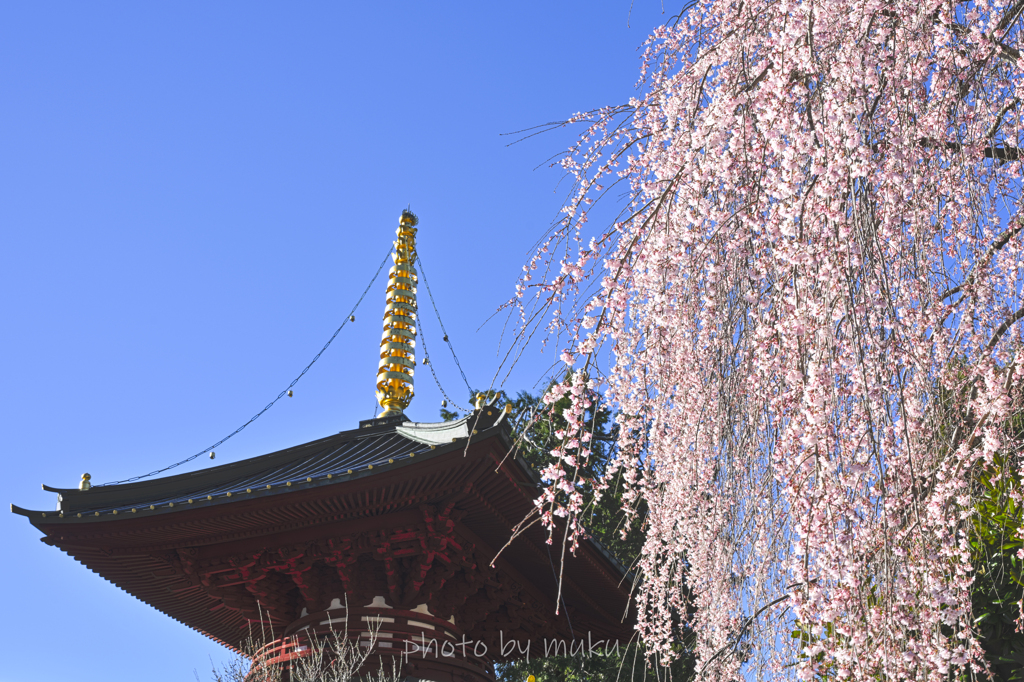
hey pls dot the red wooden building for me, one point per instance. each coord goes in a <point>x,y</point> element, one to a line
<point>395,523</point>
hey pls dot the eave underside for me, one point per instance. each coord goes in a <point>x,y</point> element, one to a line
<point>424,532</point>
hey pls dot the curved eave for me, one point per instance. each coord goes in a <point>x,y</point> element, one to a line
<point>213,487</point>
<point>132,551</point>
<point>347,456</point>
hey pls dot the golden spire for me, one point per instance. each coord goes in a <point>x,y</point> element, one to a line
<point>398,343</point>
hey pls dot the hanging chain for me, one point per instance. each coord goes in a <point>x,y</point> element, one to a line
<point>428,363</point>
<point>350,316</point>
<point>423,272</point>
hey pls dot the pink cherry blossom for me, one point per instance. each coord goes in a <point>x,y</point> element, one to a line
<point>820,244</point>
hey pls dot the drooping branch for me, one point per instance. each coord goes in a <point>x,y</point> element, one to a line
<point>1002,240</point>
<point>989,152</point>
<point>775,339</point>
<point>1010,16</point>
<point>994,128</point>
<point>1005,327</point>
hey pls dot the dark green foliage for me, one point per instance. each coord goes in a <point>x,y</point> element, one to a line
<point>994,539</point>
<point>999,580</point>
<point>535,426</point>
<point>994,530</point>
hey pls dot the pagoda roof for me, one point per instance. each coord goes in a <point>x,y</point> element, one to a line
<point>348,455</point>
<point>365,480</point>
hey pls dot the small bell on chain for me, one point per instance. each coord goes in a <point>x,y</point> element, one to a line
<point>444,403</point>
<point>446,338</point>
<point>351,318</point>
<point>213,455</point>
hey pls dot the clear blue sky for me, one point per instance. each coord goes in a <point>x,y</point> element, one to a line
<point>192,196</point>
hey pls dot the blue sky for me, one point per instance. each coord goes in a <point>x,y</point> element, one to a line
<point>192,196</point>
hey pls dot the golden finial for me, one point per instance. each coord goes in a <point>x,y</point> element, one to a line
<point>85,485</point>
<point>398,343</point>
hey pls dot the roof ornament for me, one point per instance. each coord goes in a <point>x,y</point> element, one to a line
<point>398,342</point>
<point>84,484</point>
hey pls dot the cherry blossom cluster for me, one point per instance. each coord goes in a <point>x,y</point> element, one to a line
<point>806,316</point>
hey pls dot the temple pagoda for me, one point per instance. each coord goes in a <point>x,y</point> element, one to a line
<point>395,523</point>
